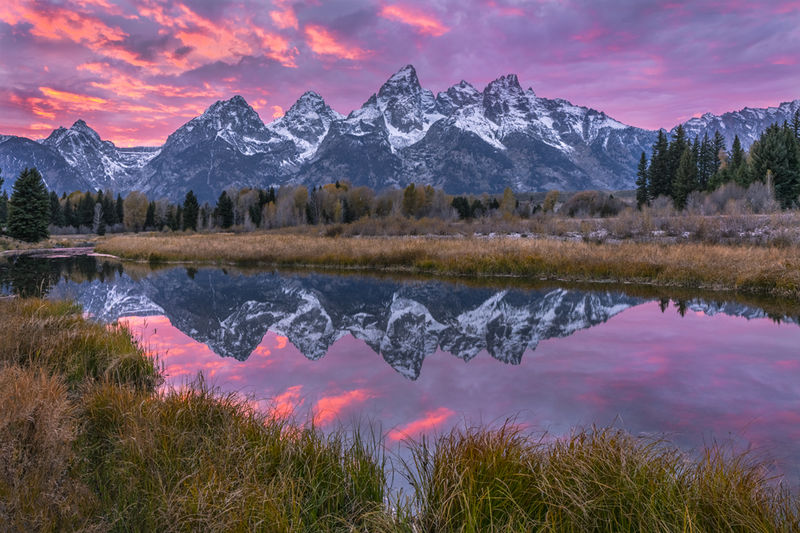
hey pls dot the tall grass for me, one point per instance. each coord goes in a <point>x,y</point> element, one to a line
<point>194,460</point>
<point>749,269</point>
<point>87,442</point>
<point>55,337</point>
<point>594,480</point>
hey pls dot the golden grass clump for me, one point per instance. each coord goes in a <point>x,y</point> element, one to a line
<point>39,490</point>
<point>55,337</point>
<point>593,480</point>
<point>194,460</point>
<point>750,269</point>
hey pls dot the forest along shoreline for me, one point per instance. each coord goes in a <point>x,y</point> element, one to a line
<point>772,271</point>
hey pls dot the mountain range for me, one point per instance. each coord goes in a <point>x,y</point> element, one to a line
<point>462,140</point>
<point>403,322</point>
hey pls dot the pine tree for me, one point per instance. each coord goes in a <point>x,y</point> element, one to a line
<point>796,124</point>
<point>56,214</point>
<point>120,209</point>
<point>69,214</point>
<point>642,194</point>
<point>685,178</point>
<point>737,154</point>
<point>3,204</point>
<point>778,151</point>
<point>150,217</point>
<point>224,211</point>
<point>676,149</point>
<point>3,208</point>
<point>109,210</point>
<point>191,208</point>
<point>705,163</point>
<point>29,207</point>
<point>86,210</point>
<point>659,178</point>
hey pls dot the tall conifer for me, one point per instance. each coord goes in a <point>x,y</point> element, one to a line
<point>29,207</point>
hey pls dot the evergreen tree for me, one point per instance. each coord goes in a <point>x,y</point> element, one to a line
<point>109,210</point>
<point>150,217</point>
<point>191,208</point>
<point>86,210</point>
<point>642,194</point>
<point>3,204</point>
<point>685,178</point>
<point>659,178</point>
<point>120,209</point>
<point>778,151</point>
<point>676,149</point>
<point>29,207</point>
<point>178,218</point>
<point>224,211</point>
<point>707,164</point>
<point>737,155</point>
<point>56,213</point>
<point>796,124</point>
<point>719,148</point>
<point>69,215</point>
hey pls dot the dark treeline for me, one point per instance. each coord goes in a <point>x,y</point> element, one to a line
<point>250,209</point>
<point>680,166</point>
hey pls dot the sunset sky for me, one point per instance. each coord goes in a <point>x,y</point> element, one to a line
<point>136,70</point>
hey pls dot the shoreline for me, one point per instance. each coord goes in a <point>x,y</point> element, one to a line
<point>720,268</point>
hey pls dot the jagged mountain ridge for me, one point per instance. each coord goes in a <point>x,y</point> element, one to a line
<point>747,123</point>
<point>462,139</point>
<point>403,322</point>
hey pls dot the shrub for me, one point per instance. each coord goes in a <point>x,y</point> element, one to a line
<point>592,203</point>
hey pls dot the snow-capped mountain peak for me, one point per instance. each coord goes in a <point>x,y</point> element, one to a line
<point>407,110</point>
<point>402,81</point>
<point>459,95</point>
<point>305,124</point>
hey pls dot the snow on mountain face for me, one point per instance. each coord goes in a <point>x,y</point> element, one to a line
<point>747,123</point>
<point>306,123</point>
<point>232,121</point>
<point>462,140</point>
<point>99,162</point>
<point>401,106</point>
<point>458,96</point>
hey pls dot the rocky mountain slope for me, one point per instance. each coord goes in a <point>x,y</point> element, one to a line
<point>463,140</point>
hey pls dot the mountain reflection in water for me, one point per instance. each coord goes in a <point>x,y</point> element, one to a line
<point>699,371</point>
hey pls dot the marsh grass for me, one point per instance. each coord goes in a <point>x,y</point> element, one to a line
<point>55,337</point>
<point>749,269</point>
<point>39,486</point>
<point>89,443</point>
<point>593,480</point>
<point>194,459</point>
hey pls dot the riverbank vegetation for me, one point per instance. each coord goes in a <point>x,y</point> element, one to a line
<point>90,441</point>
<point>749,269</point>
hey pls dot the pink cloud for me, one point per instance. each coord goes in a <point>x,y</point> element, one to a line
<point>325,43</point>
<point>422,22</point>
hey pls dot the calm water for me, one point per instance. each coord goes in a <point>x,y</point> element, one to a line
<point>419,357</point>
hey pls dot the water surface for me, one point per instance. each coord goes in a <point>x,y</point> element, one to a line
<point>421,356</point>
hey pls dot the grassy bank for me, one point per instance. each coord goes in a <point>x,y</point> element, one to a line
<point>757,270</point>
<point>88,442</point>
